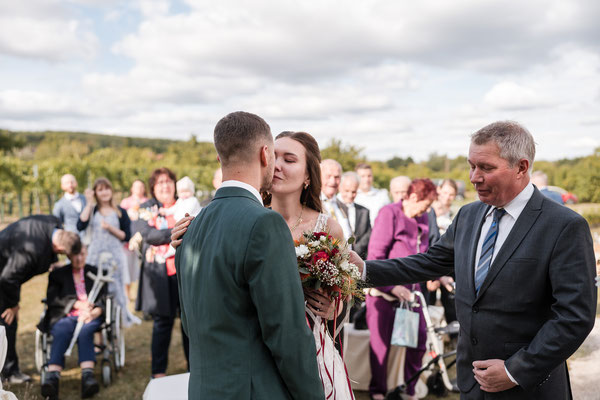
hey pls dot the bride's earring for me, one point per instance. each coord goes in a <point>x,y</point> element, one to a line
<point>305,185</point>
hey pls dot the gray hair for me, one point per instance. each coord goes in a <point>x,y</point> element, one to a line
<point>352,176</point>
<point>514,141</point>
<point>331,161</point>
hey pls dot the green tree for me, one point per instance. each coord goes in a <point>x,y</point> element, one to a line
<point>347,155</point>
<point>398,162</point>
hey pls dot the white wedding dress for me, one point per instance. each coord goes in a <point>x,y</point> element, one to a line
<point>332,369</point>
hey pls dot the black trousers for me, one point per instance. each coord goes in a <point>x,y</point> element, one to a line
<point>161,339</point>
<point>162,331</point>
<point>11,366</point>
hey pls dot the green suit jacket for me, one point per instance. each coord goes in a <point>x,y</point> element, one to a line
<point>242,304</point>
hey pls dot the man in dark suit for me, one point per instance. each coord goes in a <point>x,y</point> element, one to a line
<point>524,268</point>
<point>27,248</point>
<point>242,304</point>
<point>358,216</point>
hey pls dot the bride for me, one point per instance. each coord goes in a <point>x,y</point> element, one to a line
<point>295,194</point>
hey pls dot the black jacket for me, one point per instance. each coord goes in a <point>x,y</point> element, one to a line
<point>25,251</point>
<point>61,295</point>
<point>155,295</point>
<point>362,231</point>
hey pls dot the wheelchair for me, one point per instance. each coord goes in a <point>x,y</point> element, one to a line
<point>111,348</point>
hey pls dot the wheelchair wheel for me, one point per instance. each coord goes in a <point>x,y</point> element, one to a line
<point>106,373</point>
<point>40,358</point>
<point>118,340</point>
<point>435,384</point>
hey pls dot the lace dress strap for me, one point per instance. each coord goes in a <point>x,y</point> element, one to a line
<point>321,224</point>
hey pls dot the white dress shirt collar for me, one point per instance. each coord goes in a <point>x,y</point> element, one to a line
<point>517,205</point>
<point>71,197</point>
<point>243,185</point>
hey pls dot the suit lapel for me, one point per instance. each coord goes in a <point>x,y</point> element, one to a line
<point>361,218</point>
<point>342,208</point>
<point>522,226</point>
<point>480,219</point>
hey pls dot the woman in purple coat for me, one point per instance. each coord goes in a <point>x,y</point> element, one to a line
<point>401,229</point>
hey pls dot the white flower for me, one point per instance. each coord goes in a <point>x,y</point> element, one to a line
<point>345,266</point>
<point>323,238</point>
<point>302,251</point>
<point>314,243</point>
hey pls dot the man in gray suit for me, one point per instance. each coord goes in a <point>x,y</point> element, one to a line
<point>242,304</point>
<point>524,268</point>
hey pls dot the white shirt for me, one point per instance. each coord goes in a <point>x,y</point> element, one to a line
<point>374,200</point>
<point>243,185</point>
<point>330,206</point>
<point>75,201</point>
<point>351,216</point>
<point>513,210</point>
<point>351,213</point>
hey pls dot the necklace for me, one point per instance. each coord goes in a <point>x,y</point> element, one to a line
<point>298,221</point>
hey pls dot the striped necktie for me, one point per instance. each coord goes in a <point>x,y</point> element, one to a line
<point>487,250</point>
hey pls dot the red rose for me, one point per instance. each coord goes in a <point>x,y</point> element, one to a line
<point>334,252</point>
<point>319,234</point>
<point>320,255</point>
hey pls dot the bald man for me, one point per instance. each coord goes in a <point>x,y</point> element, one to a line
<point>68,208</point>
<point>399,188</point>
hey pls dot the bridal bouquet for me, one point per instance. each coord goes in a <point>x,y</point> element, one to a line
<point>324,263</point>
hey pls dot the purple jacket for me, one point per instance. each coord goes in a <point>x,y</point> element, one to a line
<point>395,235</point>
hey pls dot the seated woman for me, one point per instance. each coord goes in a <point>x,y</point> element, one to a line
<point>67,300</point>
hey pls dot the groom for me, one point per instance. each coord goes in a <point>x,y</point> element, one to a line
<point>242,304</point>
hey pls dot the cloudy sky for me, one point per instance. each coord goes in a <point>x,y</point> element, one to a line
<point>403,78</point>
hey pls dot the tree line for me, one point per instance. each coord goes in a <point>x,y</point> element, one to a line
<point>33,162</point>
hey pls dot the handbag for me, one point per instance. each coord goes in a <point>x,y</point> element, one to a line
<point>406,327</point>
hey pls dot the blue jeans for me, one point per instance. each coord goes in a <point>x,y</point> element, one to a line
<point>62,333</point>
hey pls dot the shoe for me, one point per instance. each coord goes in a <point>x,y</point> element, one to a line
<point>89,384</point>
<point>50,385</point>
<point>18,377</point>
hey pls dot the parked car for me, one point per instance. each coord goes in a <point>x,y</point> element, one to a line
<point>568,197</point>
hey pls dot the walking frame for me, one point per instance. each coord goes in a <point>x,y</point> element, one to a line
<point>439,382</point>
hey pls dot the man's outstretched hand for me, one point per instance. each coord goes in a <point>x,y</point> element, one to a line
<point>179,230</point>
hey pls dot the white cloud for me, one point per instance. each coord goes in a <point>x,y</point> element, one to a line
<point>44,30</point>
<point>512,96</point>
<point>397,78</point>
<point>28,104</point>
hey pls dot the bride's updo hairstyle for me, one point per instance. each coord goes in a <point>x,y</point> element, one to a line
<point>311,196</point>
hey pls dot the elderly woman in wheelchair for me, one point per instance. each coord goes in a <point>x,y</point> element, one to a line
<point>67,302</point>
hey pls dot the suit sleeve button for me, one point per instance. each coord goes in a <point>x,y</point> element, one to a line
<point>474,341</point>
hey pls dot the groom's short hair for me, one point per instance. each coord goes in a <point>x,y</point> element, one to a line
<point>238,134</point>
